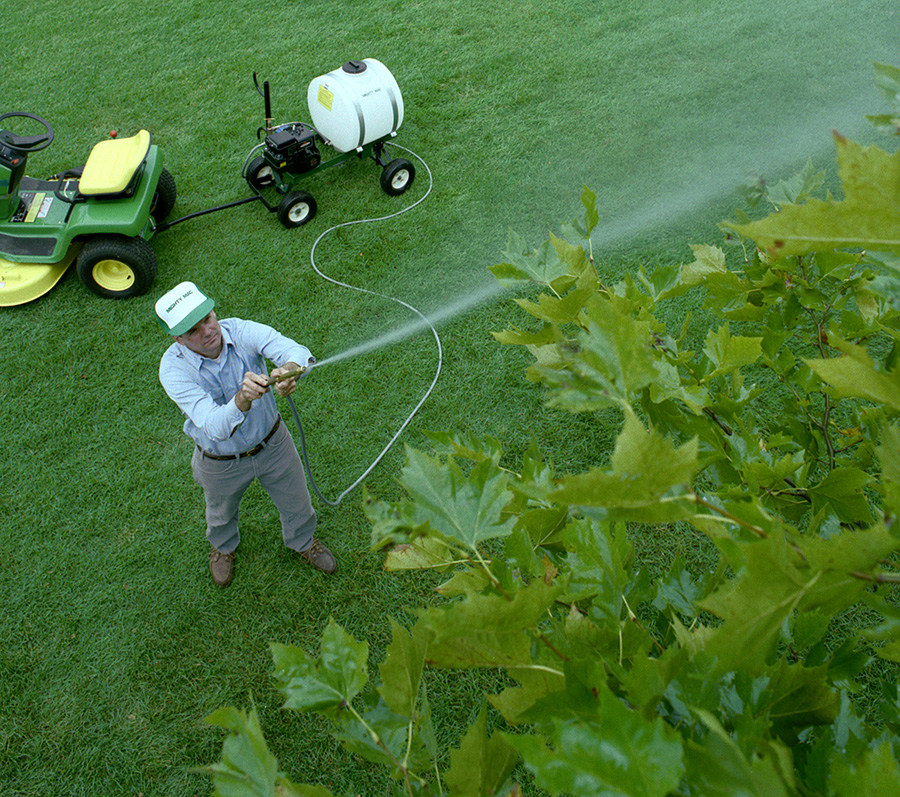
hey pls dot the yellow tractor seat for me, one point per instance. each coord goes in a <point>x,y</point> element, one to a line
<point>113,164</point>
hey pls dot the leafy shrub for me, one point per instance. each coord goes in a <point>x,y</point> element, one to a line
<point>773,435</point>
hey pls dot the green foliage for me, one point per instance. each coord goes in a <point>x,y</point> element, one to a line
<point>867,217</point>
<point>247,766</point>
<point>888,80</point>
<point>773,435</point>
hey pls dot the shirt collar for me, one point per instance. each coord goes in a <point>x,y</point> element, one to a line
<point>198,359</point>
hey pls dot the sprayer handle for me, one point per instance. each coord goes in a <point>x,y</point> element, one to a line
<point>267,99</point>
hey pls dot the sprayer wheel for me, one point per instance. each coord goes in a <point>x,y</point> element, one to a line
<point>296,208</point>
<point>259,173</point>
<point>397,176</point>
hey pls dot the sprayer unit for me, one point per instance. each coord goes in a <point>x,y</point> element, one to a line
<point>355,110</point>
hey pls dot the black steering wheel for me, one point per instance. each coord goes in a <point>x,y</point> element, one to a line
<point>27,144</point>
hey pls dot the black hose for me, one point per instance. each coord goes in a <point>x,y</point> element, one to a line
<point>304,457</point>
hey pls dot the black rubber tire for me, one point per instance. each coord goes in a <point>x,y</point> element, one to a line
<point>260,174</point>
<point>397,176</point>
<point>116,267</point>
<point>164,199</point>
<point>296,208</point>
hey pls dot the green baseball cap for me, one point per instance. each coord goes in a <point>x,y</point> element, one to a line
<point>182,307</point>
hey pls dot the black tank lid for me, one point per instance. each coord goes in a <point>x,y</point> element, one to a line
<point>355,67</point>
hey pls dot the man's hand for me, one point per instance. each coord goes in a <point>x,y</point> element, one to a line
<point>286,386</point>
<point>253,387</point>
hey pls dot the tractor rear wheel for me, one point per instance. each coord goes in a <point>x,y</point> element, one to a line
<point>116,267</point>
<point>296,208</point>
<point>164,200</point>
<point>397,176</point>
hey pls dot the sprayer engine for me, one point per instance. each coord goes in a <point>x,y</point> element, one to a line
<point>292,148</point>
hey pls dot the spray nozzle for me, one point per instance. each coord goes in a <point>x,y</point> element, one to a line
<point>288,375</point>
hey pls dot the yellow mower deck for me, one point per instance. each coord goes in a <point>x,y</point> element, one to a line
<point>24,282</point>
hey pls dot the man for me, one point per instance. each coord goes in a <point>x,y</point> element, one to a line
<point>215,371</point>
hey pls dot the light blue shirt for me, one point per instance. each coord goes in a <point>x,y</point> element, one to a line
<point>204,388</point>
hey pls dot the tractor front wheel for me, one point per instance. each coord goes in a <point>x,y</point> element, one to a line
<point>116,267</point>
<point>397,176</point>
<point>296,208</point>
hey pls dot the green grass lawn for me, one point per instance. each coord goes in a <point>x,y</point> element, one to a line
<point>115,643</point>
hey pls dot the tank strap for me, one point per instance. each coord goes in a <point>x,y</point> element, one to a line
<point>395,107</point>
<point>362,121</point>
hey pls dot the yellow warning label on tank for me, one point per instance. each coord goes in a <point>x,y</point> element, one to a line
<point>326,97</point>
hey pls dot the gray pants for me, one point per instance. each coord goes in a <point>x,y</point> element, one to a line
<point>280,473</point>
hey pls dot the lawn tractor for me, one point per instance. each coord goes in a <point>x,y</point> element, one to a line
<point>354,110</point>
<point>99,216</point>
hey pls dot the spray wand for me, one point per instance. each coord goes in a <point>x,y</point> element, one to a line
<point>288,375</point>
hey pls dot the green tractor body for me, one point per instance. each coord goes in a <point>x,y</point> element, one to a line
<point>101,217</point>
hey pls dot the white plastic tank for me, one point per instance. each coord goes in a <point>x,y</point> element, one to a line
<point>356,104</point>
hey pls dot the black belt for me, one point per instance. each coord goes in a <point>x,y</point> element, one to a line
<point>251,453</point>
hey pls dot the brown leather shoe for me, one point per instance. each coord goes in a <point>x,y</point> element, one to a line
<point>221,566</point>
<point>319,557</point>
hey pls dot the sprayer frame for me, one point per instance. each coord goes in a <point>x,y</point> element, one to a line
<point>299,207</point>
